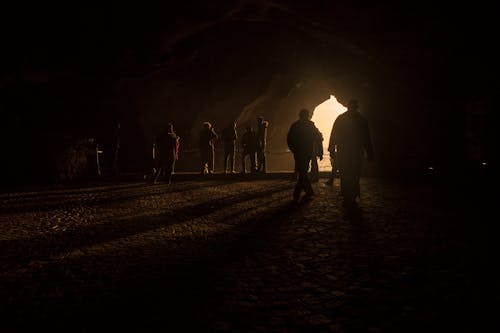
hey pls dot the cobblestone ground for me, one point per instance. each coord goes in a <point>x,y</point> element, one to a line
<point>238,256</point>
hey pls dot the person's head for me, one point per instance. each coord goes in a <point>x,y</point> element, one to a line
<point>170,127</point>
<point>304,114</point>
<point>352,105</point>
<point>207,125</point>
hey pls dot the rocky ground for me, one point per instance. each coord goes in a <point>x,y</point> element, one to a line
<point>236,255</point>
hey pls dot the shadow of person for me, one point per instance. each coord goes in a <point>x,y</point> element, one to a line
<point>353,213</point>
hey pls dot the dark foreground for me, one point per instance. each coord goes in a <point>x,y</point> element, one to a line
<point>238,256</point>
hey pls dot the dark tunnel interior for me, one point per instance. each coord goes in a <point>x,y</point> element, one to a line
<point>398,238</point>
<point>425,73</point>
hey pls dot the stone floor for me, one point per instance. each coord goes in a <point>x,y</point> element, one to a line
<point>236,255</point>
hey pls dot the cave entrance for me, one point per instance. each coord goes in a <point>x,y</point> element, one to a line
<point>323,116</point>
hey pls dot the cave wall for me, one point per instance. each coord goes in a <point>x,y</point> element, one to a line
<point>71,79</point>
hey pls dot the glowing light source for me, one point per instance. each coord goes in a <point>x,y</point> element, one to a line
<point>323,117</point>
<point>325,114</point>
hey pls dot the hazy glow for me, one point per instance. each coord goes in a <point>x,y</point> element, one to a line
<point>324,115</point>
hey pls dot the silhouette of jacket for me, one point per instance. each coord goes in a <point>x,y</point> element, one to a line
<point>303,138</point>
<point>351,137</point>
<point>250,141</point>
<point>350,140</point>
<point>229,136</point>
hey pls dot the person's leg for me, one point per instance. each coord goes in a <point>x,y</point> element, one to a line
<point>169,170</point>
<point>231,159</point>
<point>243,165</point>
<point>264,166</point>
<point>158,174</point>
<point>314,169</point>
<point>203,161</point>
<point>347,187</point>
<point>226,159</point>
<point>298,188</point>
<point>211,159</point>
<point>253,162</point>
<point>301,165</point>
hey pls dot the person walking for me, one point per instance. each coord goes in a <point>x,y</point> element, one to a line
<point>166,153</point>
<point>351,141</point>
<point>207,148</point>
<point>302,137</point>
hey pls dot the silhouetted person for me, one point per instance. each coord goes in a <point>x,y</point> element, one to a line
<point>350,139</point>
<point>116,145</point>
<point>166,153</point>
<point>207,148</point>
<point>229,137</point>
<point>262,126</point>
<point>318,153</point>
<point>250,144</point>
<point>302,137</point>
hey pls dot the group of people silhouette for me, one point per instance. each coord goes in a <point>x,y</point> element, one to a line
<point>350,141</point>
<point>253,144</point>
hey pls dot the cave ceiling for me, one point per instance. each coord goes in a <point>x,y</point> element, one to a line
<point>157,62</point>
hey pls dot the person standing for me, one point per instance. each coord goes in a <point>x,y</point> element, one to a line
<point>262,126</point>
<point>166,153</point>
<point>229,137</point>
<point>351,141</point>
<point>207,148</point>
<point>250,145</point>
<point>302,137</point>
